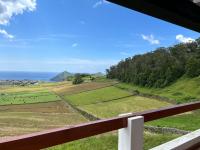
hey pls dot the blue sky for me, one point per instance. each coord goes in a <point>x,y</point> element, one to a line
<point>77,35</point>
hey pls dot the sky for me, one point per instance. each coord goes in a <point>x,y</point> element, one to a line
<point>78,35</point>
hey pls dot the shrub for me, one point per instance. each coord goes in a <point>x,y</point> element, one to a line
<point>77,79</point>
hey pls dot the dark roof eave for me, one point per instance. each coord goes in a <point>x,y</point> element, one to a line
<point>180,12</point>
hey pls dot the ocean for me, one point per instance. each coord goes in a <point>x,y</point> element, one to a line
<point>19,75</point>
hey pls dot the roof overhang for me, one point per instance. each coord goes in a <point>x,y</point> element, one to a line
<point>184,13</point>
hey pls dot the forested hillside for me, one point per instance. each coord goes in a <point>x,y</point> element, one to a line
<point>161,67</point>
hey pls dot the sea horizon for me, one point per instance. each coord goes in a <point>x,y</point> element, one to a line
<point>26,75</point>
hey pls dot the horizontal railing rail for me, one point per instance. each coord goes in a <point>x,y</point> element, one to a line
<point>189,141</point>
<point>54,137</point>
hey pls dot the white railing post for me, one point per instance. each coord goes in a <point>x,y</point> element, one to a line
<point>131,138</point>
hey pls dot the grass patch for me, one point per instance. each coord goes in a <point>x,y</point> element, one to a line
<point>95,96</point>
<point>125,105</point>
<point>109,141</point>
<point>152,140</point>
<point>103,142</point>
<point>189,121</point>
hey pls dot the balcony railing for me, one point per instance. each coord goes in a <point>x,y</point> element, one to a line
<point>54,137</point>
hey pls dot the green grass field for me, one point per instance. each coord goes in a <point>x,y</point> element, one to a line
<point>27,97</point>
<point>109,142</point>
<point>125,105</point>
<point>110,101</point>
<point>182,91</point>
<point>100,104</point>
<point>96,96</point>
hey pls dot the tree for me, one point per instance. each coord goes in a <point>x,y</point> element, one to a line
<point>193,67</point>
<point>77,79</point>
<point>159,68</point>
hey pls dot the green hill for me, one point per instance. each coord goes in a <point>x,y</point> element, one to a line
<point>183,90</point>
<point>62,76</point>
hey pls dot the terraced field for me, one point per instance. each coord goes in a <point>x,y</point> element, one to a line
<point>44,106</point>
<point>179,92</point>
<point>28,118</point>
<point>97,96</point>
<point>108,102</point>
<point>85,87</point>
<point>112,101</point>
<point>124,105</point>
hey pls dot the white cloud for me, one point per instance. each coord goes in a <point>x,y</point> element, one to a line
<point>6,35</point>
<point>99,3</point>
<point>181,38</point>
<point>10,8</point>
<point>150,38</point>
<point>75,45</point>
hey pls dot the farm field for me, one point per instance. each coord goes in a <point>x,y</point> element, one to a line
<point>44,106</point>
<point>124,105</point>
<point>108,107</point>
<point>35,108</point>
<point>28,118</point>
<point>32,88</point>
<point>72,89</point>
<point>97,96</point>
<point>27,97</point>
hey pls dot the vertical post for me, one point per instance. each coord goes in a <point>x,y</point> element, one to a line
<point>131,138</point>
